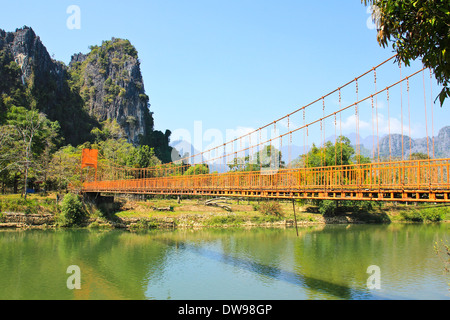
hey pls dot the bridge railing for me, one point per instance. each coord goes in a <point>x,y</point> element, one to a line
<point>416,175</point>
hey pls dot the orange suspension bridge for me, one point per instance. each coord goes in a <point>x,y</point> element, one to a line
<point>243,167</point>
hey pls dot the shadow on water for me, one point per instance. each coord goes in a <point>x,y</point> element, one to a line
<point>318,285</point>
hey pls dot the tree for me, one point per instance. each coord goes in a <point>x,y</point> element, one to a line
<point>47,142</point>
<point>419,156</point>
<point>197,170</point>
<point>72,211</point>
<point>27,124</point>
<point>143,157</point>
<point>110,130</point>
<point>417,29</point>
<point>269,158</point>
<point>340,153</point>
<point>6,142</point>
<point>65,167</point>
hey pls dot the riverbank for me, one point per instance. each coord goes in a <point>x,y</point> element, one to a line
<point>42,212</point>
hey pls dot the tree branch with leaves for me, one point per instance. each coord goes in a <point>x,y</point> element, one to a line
<point>417,29</point>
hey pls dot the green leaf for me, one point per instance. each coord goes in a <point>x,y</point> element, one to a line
<point>445,93</point>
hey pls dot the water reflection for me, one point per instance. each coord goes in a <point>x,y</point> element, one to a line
<point>330,262</point>
<point>323,263</point>
<point>277,273</point>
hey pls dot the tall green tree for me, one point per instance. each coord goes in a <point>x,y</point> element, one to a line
<point>64,168</point>
<point>417,29</point>
<point>6,146</point>
<point>339,153</point>
<point>47,142</point>
<point>30,128</point>
<point>268,157</point>
<point>143,157</point>
<point>197,170</point>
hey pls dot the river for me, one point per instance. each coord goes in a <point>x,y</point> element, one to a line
<point>324,262</point>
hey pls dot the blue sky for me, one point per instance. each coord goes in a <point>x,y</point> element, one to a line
<point>229,64</point>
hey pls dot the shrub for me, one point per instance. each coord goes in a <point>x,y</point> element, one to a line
<point>432,215</point>
<point>332,207</point>
<point>72,211</point>
<point>327,207</point>
<point>424,215</point>
<point>271,208</point>
<point>362,206</point>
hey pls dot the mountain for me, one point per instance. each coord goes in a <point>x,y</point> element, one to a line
<point>110,82</point>
<point>105,83</point>
<point>36,80</point>
<point>422,145</point>
<point>441,146</point>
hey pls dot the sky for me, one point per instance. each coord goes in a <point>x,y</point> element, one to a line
<point>217,66</point>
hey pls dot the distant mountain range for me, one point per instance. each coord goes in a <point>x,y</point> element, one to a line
<point>441,144</point>
<point>410,146</point>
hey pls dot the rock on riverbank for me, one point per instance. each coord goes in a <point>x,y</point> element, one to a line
<point>22,220</point>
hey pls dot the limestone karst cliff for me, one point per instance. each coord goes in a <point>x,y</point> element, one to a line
<point>103,84</point>
<point>110,83</point>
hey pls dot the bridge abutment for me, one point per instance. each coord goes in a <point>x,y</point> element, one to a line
<point>107,202</point>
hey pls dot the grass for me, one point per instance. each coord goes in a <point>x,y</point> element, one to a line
<point>243,211</point>
<point>420,213</point>
<point>229,219</point>
<point>34,204</point>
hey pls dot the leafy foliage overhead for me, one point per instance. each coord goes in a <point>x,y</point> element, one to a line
<point>417,29</point>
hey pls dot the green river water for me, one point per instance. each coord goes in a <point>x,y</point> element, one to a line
<point>324,262</point>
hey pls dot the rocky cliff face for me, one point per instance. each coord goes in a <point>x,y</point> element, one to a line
<point>105,83</point>
<point>31,55</point>
<point>45,84</point>
<point>110,83</point>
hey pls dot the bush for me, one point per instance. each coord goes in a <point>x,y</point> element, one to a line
<point>362,206</point>
<point>433,215</point>
<point>271,208</point>
<point>332,207</point>
<point>327,207</point>
<point>72,211</point>
<point>413,216</point>
<point>430,215</point>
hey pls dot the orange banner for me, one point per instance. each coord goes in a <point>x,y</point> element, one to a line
<point>89,158</point>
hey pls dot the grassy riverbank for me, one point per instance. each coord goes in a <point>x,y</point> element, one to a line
<point>230,212</point>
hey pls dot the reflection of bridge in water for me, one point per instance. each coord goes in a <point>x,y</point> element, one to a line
<point>241,171</point>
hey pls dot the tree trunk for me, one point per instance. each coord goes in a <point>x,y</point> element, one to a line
<point>26,182</point>
<point>16,184</point>
<point>27,157</point>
